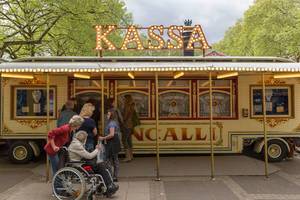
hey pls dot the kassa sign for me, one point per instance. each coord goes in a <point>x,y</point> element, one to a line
<point>158,37</point>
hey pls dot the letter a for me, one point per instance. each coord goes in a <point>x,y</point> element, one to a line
<point>197,36</point>
<point>132,36</point>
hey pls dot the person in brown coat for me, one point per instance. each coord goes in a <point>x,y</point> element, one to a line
<point>128,126</point>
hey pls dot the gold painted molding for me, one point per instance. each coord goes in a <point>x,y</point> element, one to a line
<point>273,122</point>
<point>6,130</point>
<point>33,123</point>
<point>273,81</point>
<point>4,81</point>
<point>298,128</point>
<point>34,81</point>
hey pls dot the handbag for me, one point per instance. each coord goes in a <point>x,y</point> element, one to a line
<point>101,153</point>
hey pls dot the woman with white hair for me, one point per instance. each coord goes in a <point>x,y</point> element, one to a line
<point>58,137</point>
<point>77,152</point>
<point>89,126</point>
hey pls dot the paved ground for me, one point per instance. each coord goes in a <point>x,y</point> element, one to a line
<point>26,182</point>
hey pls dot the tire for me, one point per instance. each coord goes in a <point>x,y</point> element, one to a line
<point>20,152</point>
<point>68,183</point>
<point>277,151</point>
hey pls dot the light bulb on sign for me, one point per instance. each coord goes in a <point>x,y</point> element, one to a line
<point>158,38</point>
<point>102,36</point>
<point>197,36</point>
<point>175,37</point>
<point>132,37</point>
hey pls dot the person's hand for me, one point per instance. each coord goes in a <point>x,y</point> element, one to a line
<point>101,138</point>
<point>98,147</point>
<point>56,148</point>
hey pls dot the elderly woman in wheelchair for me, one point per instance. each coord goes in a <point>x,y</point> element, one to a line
<point>81,176</point>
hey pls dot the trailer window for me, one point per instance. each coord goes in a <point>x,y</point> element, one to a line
<point>221,104</point>
<point>174,105</point>
<point>278,101</point>
<point>140,92</point>
<point>224,99</point>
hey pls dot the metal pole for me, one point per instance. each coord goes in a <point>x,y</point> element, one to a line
<point>47,125</point>
<point>157,128</point>
<point>212,161</point>
<point>102,103</point>
<point>1,106</point>
<point>264,124</point>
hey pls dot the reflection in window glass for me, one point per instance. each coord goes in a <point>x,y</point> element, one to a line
<point>215,83</point>
<point>174,104</point>
<point>88,83</point>
<point>221,105</point>
<point>132,83</point>
<point>141,102</point>
<point>173,83</point>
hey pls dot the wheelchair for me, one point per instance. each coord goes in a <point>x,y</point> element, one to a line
<point>77,180</point>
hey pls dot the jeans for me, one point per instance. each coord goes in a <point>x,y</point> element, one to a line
<point>101,169</point>
<point>54,160</point>
<point>126,138</point>
<point>114,160</point>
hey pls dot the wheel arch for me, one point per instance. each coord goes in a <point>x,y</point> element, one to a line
<point>259,144</point>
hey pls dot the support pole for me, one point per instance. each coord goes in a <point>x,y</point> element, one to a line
<point>264,124</point>
<point>102,103</point>
<point>1,105</point>
<point>212,161</point>
<point>157,128</point>
<point>47,124</point>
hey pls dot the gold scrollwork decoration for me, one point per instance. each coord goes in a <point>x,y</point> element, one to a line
<point>273,122</point>
<point>4,81</point>
<point>34,81</point>
<point>33,123</point>
<point>6,130</point>
<point>273,81</point>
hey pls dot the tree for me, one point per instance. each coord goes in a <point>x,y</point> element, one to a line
<point>51,27</point>
<point>268,28</point>
<point>75,34</point>
<point>23,25</point>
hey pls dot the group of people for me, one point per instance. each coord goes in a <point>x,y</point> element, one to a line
<point>79,132</point>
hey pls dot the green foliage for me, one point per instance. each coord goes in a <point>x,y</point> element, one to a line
<point>75,34</point>
<point>268,28</point>
<point>51,27</point>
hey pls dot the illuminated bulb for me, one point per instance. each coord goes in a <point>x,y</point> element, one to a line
<point>22,76</point>
<point>227,75</point>
<point>131,75</point>
<point>178,75</point>
<point>103,37</point>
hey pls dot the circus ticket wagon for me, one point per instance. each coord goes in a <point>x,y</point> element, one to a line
<point>183,102</point>
<point>186,104</point>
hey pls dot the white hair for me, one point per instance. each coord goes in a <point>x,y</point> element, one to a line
<point>81,136</point>
<point>76,121</point>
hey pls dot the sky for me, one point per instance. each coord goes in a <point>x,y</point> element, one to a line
<point>215,16</point>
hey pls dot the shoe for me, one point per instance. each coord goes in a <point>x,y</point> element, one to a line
<point>127,156</point>
<point>115,179</point>
<point>112,189</point>
<point>130,155</point>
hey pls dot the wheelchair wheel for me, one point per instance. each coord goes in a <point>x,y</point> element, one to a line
<point>68,183</point>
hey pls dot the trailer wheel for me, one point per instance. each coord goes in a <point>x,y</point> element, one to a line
<point>277,151</point>
<point>20,152</point>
